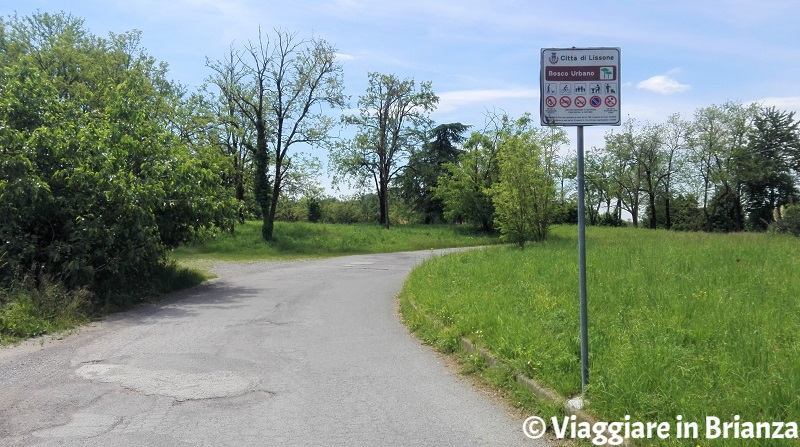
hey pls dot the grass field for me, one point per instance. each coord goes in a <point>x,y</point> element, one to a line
<point>687,324</point>
<point>300,240</point>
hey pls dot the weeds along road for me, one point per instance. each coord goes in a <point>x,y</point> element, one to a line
<point>269,354</point>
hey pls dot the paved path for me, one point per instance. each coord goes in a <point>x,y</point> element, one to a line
<point>307,353</point>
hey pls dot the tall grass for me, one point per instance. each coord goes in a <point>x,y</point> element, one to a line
<point>45,306</point>
<point>300,239</point>
<point>687,324</point>
<point>29,310</point>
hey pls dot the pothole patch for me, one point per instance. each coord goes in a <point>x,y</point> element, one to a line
<point>178,385</point>
<point>82,425</point>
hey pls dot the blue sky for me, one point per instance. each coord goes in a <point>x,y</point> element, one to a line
<point>676,55</point>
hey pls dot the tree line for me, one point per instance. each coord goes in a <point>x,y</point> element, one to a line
<point>106,164</point>
<point>732,167</point>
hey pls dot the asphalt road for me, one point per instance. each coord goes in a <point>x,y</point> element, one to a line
<point>307,353</point>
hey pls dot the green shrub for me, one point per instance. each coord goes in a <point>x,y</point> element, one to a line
<point>314,210</point>
<point>19,319</point>
<point>29,310</point>
<point>789,222</point>
<point>94,186</point>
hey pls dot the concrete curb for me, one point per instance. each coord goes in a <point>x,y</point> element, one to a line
<point>542,392</point>
<point>573,406</point>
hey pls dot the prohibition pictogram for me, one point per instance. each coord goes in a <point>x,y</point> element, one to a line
<point>565,101</point>
<point>550,101</point>
<point>595,101</point>
<point>611,101</point>
<point>580,101</point>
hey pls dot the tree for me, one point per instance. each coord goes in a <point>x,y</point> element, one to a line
<point>675,140</point>
<point>94,185</point>
<point>300,185</point>
<point>601,187</point>
<point>419,180</point>
<point>560,169</point>
<point>524,196</point>
<point>718,138</point>
<point>289,79</point>
<point>644,159</point>
<point>392,121</point>
<point>788,222</point>
<point>625,152</point>
<point>228,132</point>
<point>767,172</point>
<point>653,162</point>
<point>464,189</point>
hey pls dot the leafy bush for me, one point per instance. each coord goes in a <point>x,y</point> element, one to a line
<point>314,210</point>
<point>19,319</point>
<point>524,196</point>
<point>29,311</point>
<point>789,221</point>
<point>94,186</point>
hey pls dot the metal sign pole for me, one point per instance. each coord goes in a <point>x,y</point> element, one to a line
<point>582,268</point>
<point>580,87</point>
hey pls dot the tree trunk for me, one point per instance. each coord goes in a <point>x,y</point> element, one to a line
<point>653,218</point>
<point>738,210</point>
<point>707,216</point>
<point>267,228</point>
<point>651,199</point>
<point>262,186</point>
<point>667,213</point>
<point>269,221</point>
<point>383,199</point>
<point>240,198</point>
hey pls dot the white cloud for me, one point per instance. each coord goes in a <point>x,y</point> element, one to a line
<point>788,103</point>
<point>662,84</point>
<point>453,100</point>
<point>341,57</point>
